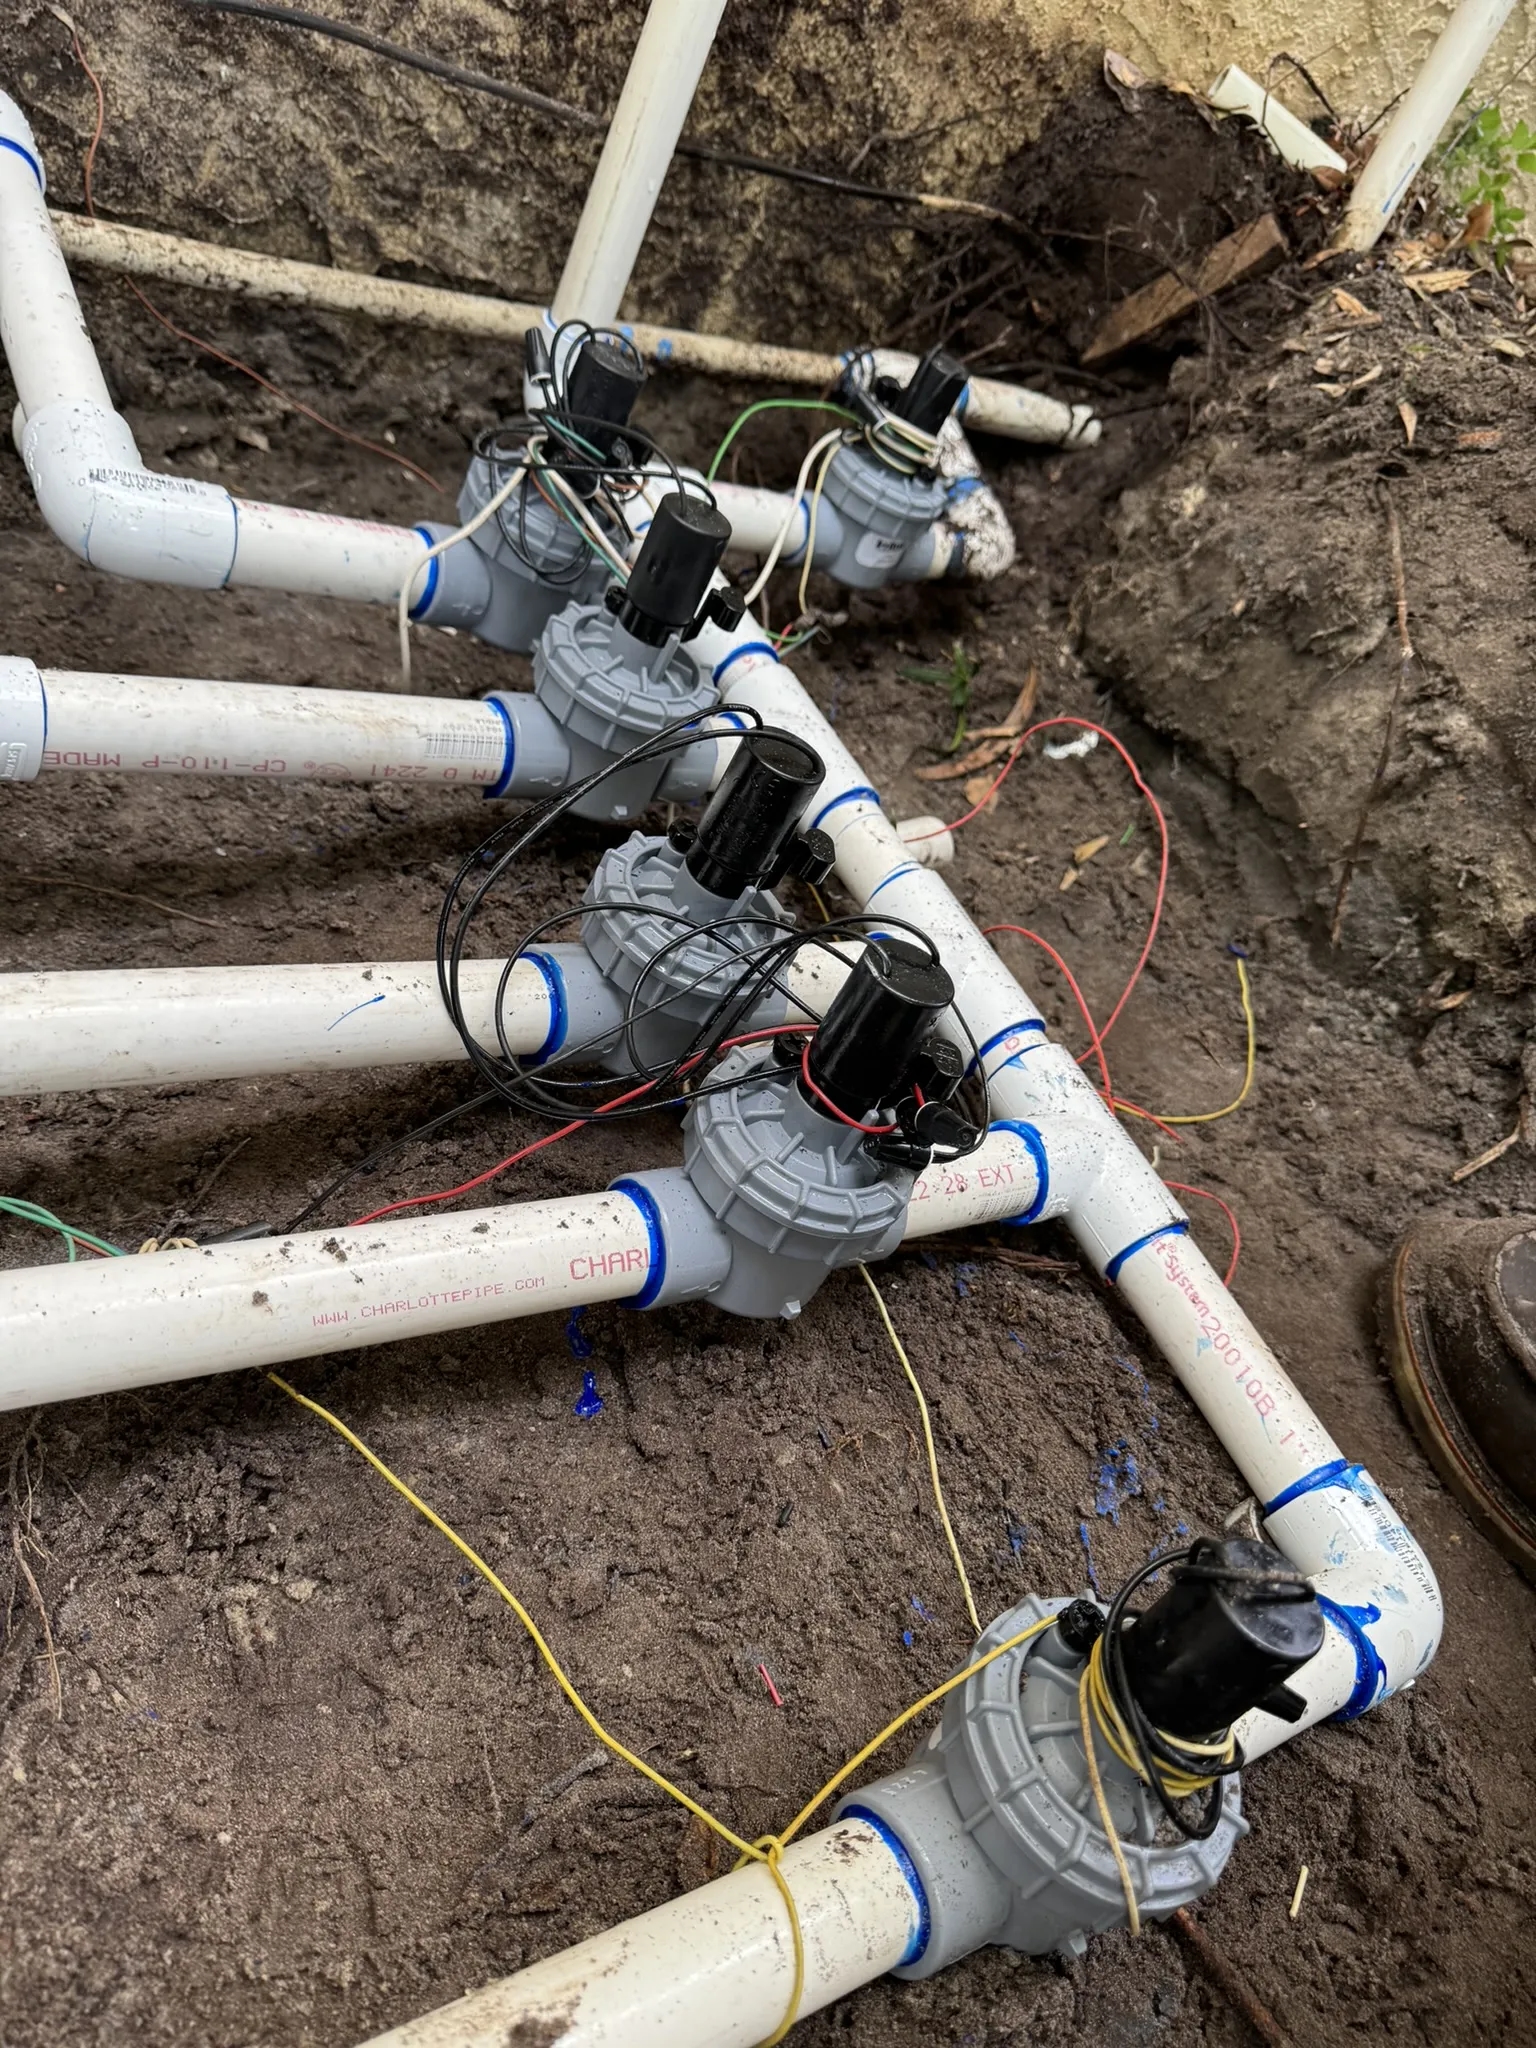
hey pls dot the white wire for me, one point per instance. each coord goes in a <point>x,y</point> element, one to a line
<point>593,533</point>
<point>811,453</point>
<point>403,607</point>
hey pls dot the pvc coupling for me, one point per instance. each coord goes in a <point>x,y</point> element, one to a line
<point>23,720</point>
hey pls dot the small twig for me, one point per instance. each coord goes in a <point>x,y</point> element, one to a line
<point>1521,1131</point>
<point>189,1214</point>
<point>1405,663</point>
<point>37,1594</point>
<point>214,924</point>
<point>1224,1974</point>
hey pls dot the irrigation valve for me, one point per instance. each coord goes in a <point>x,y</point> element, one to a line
<point>536,557</point>
<point>996,1809</point>
<point>884,485</point>
<point>673,917</point>
<point>610,674</point>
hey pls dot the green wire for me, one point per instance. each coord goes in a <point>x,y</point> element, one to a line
<point>772,405</point>
<point>33,1212</point>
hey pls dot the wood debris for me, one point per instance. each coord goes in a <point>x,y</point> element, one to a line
<point>998,741</point>
<point>1521,1134</point>
<point>1408,414</point>
<point>1084,853</point>
<point>1505,347</point>
<point>1483,438</point>
<point>1354,309</point>
<point>1247,254</point>
<point>1427,283</point>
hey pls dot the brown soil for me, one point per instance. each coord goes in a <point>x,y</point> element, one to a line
<point>307,1779</point>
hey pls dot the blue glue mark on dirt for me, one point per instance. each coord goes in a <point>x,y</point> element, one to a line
<point>920,1610</point>
<point>1117,1480</point>
<point>1018,1536</point>
<point>589,1401</point>
<point>576,1336</point>
<point>929,1261</point>
<point>1142,1388</point>
<point>906,1637</point>
<point>1093,1577</point>
<point>963,1274</point>
<point>1015,1338</point>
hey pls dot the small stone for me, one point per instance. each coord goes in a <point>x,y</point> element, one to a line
<point>300,1590</point>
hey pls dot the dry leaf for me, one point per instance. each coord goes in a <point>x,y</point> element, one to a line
<point>1124,79</point>
<point>1072,875</point>
<point>1328,366</point>
<point>1453,1002</point>
<point>1481,437</point>
<point>1085,852</point>
<point>1409,418</point>
<point>968,764</point>
<point>1504,347</point>
<point>976,793</point>
<point>1429,282</point>
<point>1333,390</point>
<point>1351,307</point>
<point>1018,717</point>
<point>1479,225</point>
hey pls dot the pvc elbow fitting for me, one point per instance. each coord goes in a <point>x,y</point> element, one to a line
<point>101,502</point>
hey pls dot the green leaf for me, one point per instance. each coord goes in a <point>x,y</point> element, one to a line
<point>1526,161</point>
<point>1489,122</point>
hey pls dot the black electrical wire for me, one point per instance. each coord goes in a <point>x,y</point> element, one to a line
<point>1152,1746</point>
<point>578,117</point>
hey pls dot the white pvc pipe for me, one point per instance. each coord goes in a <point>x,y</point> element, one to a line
<point>658,92</point>
<point>171,725</point>
<point>97,1327</point>
<point>91,483</point>
<point>1328,1516</point>
<point>1414,129</point>
<point>993,408</point>
<point>122,1027</point>
<point>1234,92</point>
<point>712,1969</point>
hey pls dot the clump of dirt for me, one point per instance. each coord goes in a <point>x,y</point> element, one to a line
<point>1248,608</point>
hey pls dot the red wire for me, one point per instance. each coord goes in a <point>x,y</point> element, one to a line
<point>234,363</point>
<point>565,1130</point>
<point>1094,1045</point>
<point>1179,1188</point>
<point>869,1130</point>
<point>1087,725</point>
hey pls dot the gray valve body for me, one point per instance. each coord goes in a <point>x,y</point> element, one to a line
<point>881,512</point>
<point>526,593</point>
<point>650,939</point>
<point>997,1813</point>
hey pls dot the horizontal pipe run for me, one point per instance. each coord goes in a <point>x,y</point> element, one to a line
<point>1008,410</point>
<point>123,1027</point>
<point>169,725</point>
<point>711,1969</point>
<point>99,1326</point>
<point>93,1328</point>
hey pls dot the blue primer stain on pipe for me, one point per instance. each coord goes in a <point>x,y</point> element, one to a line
<point>366,1004</point>
<point>1370,1672</point>
<point>589,1401</point>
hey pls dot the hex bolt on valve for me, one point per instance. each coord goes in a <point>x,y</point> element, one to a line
<point>609,675</point>
<point>996,1810</point>
<point>674,916</point>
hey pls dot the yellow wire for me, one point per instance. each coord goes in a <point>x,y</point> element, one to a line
<point>1090,1753</point>
<point>1212,1116</point>
<point>1096,1704</point>
<point>933,1456</point>
<point>768,1849</point>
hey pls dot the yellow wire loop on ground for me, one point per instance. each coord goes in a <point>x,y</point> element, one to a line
<point>1211,1116</point>
<point>768,1849</point>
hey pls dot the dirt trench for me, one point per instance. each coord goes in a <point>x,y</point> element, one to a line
<point>299,1776</point>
